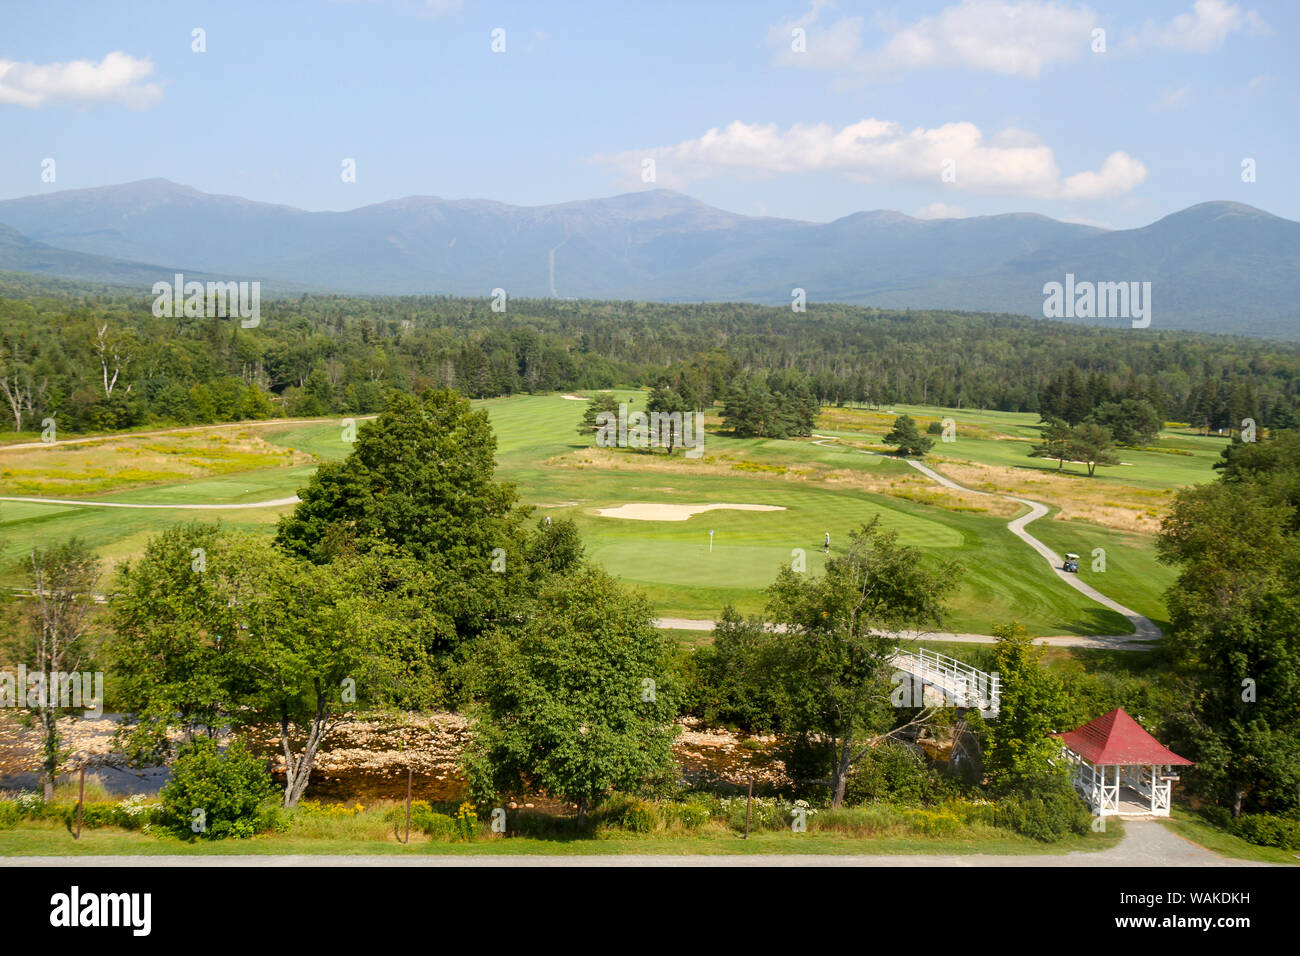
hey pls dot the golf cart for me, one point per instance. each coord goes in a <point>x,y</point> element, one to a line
<point>1071,563</point>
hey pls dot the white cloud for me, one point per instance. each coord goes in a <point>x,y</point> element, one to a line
<point>1172,98</point>
<point>940,210</point>
<point>1014,163</point>
<point>1011,37</point>
<point>1205,29</point>
<point>1119,173</point>
<point>118,78</point>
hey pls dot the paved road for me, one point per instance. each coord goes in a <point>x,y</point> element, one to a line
<point>1145,843</point>
<point>1117,642</point>
<point>274,503</point>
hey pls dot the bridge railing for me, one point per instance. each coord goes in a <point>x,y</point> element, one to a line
<point>967,686</point>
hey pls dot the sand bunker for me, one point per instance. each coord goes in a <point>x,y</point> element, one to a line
<point>643,511</point>
<point>573,398</point>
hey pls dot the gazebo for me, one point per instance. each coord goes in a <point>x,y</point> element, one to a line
<point>1120,769</point>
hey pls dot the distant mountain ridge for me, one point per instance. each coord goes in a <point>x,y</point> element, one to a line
<point>1216,266</point>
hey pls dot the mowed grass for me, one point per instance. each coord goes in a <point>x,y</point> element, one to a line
<point>823,487</point>
<point>45,838</point>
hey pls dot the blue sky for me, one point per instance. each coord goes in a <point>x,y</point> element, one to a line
<point>966,107</point>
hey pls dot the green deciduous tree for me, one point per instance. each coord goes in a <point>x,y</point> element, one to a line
<point>1235,636</point>
<point>575,701</point>
<point>1030,709</point>
<point>254,636</point>
<point>420,477</point>
<point>830,656</point>
<point>169,614</point>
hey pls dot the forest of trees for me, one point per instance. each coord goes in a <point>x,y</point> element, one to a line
<point>103,361</point>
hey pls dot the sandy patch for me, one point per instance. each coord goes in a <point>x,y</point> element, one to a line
<point>644,511</point>
<point>573,398</point>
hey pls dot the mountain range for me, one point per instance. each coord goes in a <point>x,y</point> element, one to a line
<point>1216,266</point>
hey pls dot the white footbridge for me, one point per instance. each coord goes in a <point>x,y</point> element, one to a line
<point>939,680</point>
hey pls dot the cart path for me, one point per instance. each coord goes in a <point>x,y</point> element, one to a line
<point>1115,642</point>
<point>1144,629</point>
<point>274,503</point>
<point>1145,843</point>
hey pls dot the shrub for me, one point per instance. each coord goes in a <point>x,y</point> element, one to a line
<point>228,788</point>
<point>24,805</point>
<point>1044,808</point>
<point>769,813</point>
<point>424,819</point>
<point>625,812</point>
<point>932,823</point>
<point>896,772</point>
<point>1264,829</point>
<point>689,816</point>
<point>9,815</point>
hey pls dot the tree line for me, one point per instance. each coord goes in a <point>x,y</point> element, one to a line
<point>103,361</point>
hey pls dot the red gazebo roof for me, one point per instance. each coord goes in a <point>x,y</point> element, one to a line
<point>1116,738</point>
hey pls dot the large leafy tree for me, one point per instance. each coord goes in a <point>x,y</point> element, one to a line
<point>420,483</point>
<point>835,637</point>
<point>1235,639</point>
<point>311,642</point>
<point>421,477</point>
<point>170,613</point>
<point>252,636</point>
<point>577,700</point>
<point>1030,708</point>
